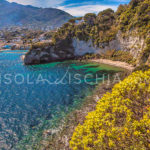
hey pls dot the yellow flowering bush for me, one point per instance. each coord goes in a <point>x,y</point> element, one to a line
<point>121,119</point>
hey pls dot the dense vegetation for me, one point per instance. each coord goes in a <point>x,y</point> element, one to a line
<point>103,27</point>
<point>99,29</point>
<point>135,15</point>
<point>123,56</point>
<point>121,119</point>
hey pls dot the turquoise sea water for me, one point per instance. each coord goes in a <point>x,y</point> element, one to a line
<point>35,98</point>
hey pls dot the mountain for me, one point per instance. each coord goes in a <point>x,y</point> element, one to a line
<point>13,14</point>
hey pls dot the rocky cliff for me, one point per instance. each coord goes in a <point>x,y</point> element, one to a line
<point>77,48</point>
<point>109,30</point>
<point>62,50</point>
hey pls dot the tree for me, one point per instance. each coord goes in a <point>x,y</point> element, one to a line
<point>121,9</point>
<point>90,18</point>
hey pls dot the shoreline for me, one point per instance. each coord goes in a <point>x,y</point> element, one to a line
<point>119,64</point>
<point>59,140</point>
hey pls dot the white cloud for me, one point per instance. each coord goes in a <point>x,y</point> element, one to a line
<point>75,9</point>
<point>82,10</point>
<point>39,3</point>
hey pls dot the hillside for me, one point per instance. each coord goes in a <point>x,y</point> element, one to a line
<point>13,14</point>
<point>126,30</point>
<point>121,118</point>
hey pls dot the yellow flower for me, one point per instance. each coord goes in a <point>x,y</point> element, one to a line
<point>118,115</point>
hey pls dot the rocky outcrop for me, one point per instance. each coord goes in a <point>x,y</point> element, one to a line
<point>70,48</point>
<point>62,50</point>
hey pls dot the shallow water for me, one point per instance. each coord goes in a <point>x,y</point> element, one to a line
<point>34,98</point>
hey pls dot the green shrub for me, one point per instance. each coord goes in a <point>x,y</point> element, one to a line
<point>90,18</point>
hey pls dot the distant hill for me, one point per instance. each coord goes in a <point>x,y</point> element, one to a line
<point>13,14</point>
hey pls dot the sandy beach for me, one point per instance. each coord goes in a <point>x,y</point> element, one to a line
<point>114,63</point>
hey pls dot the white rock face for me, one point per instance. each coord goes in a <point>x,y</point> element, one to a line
<point>82,47</point>
<point>132,44</point>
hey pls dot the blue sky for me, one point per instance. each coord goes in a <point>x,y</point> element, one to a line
<point>75,7</point>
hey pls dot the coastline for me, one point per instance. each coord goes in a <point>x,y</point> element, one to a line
<point>119,64</point>
<point>59,139</point>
